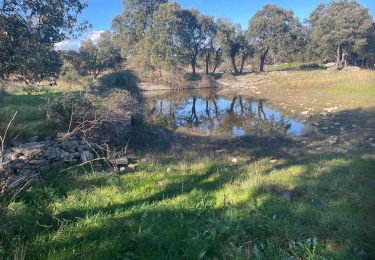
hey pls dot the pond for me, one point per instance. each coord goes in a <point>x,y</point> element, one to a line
<point>213,114</point>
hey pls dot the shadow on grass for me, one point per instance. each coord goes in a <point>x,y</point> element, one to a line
<point>328,212</point>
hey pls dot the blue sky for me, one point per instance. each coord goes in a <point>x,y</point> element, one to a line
<point>100,12</point>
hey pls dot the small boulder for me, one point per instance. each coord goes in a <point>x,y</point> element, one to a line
<point>86,156</point>
<point>287,194</point>
<point>71,145</point>
<point>123,169</point>
<point>234,160</point>
<point>121,161</point>
<point>333,140</point>
<point>132,167</point>
<point>33,139</point>
<point>273,161</point>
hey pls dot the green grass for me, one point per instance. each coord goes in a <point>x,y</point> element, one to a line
<point>31,119</point>
<point>207,208</point>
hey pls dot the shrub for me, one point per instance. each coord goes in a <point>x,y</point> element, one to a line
<point>312,66</point>
<point>193,77</point>
<point>207,81</point>
<point>98,118</point>
<point>124,79</point>
<point>70,109</point>
<point>72,78</point>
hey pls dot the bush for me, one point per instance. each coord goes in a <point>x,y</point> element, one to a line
<point>193,77</point>
<point>207,81</point>
<point>312,66</point>
<point>70,109</point>
<point>124,79</point>
<point>98,118</point>
<point>72,78</point>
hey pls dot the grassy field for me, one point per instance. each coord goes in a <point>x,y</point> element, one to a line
<point>204,198</point>
<point>320,207</point>
<point>323,78</point>
<point>31,119</point>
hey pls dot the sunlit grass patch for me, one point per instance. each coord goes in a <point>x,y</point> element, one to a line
<point>208,207</point>
<point>355,80</point>
<point>31,119</point>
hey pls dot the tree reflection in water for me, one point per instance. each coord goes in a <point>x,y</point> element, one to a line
<point>236,116</point>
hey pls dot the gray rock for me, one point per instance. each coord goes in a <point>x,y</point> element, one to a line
<point>11,156</point>
<point>33,139</point>
<point>23,158</point>
<point>333,139</point>
<point>75,155</point>
<point>121,161</point>
<point>273,161</point>
<point>86,156</point>
<point>52,153</point>
<point>64,155</point>
<point>287,194</point>
<point>132,167</point>
<point>123,169</point>
<point>71,145</point>
<point>37,162</point>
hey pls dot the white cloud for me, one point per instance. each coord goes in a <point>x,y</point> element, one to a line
<point>94,36</point>
<point>74,44</point>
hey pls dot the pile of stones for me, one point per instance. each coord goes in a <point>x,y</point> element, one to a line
<point>34,157</point>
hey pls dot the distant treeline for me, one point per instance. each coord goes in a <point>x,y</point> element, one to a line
<point>158,35</point>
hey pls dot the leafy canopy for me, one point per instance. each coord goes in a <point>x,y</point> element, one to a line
<point>28,32</point>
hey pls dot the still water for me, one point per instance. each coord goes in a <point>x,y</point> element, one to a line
<point>235,116</point>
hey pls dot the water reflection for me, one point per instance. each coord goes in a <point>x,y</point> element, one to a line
<point>211,114</point>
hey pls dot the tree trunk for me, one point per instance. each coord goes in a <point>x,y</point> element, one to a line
<point>217,59</point>
<point>338,57</point>
<point>216,108</point>
<point>262,59</point>
<point>194,111</point>
<point>364,63</point>
<point>261,66</point>
<point>233,60</point>
<point>231,109</point>
<point>207,109</point>
<point>208,57</point>
<point>241,104</point>
<point>344,58</point>
<point>244,57</point>
<point>261,111</point>
<point>193,64</point>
